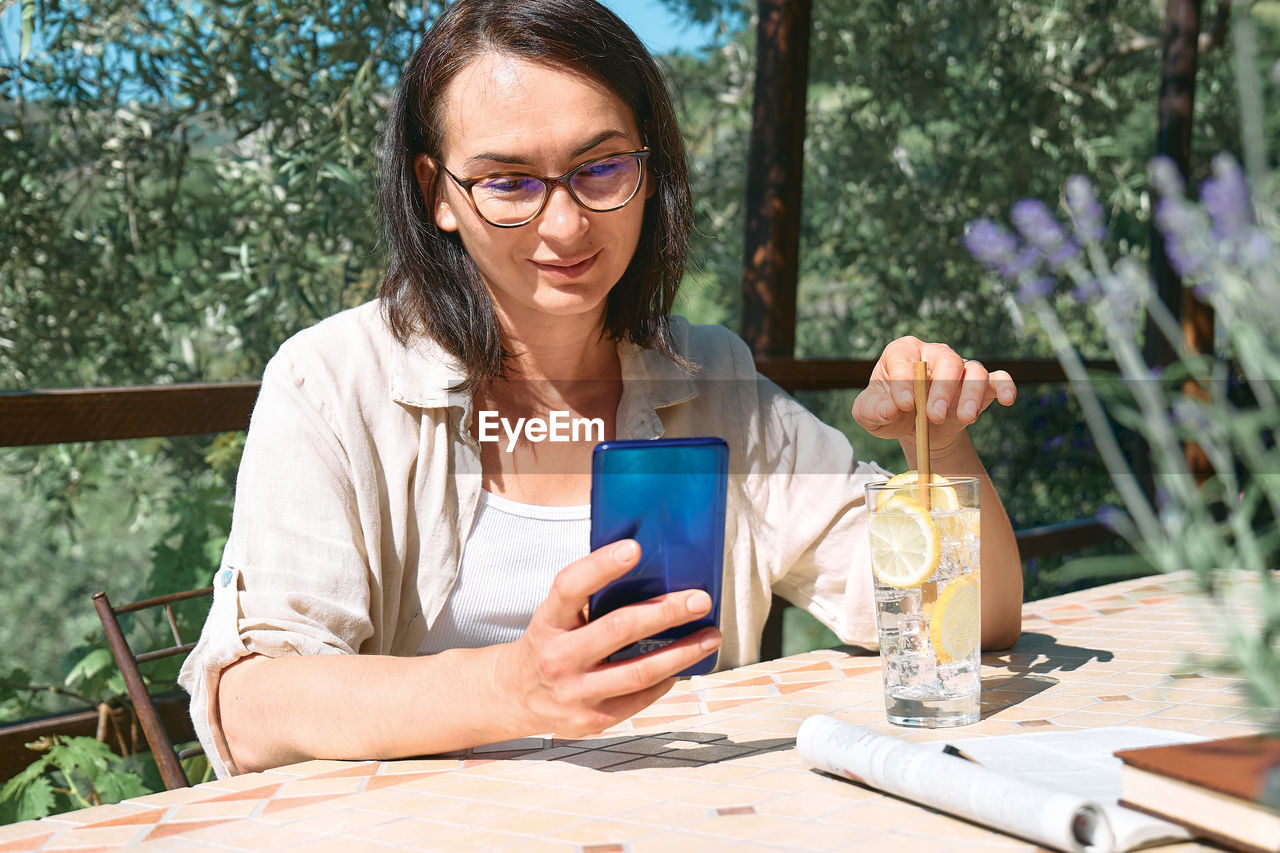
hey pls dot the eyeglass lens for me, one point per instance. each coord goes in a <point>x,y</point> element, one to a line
<point>599,185</point>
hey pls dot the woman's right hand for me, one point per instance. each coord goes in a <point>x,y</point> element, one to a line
<point>557,670</point>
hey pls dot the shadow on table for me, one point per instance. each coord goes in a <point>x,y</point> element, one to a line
<point>1001,692</point>
<point>1030,664</point>
<point>1025,656</point>
<point>666,749</point>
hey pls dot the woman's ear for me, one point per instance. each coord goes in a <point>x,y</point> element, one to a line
<point>424,169</point>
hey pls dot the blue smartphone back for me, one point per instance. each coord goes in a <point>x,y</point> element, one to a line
<point>669,495</point>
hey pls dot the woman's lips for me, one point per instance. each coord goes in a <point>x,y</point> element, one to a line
<point>566,269</point>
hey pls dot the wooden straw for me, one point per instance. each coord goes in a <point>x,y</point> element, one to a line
<point>922,431</point>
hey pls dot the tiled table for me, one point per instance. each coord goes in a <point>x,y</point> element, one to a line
<point>711,766</point>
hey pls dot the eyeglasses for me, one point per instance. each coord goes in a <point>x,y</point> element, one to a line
<point>512,199</point>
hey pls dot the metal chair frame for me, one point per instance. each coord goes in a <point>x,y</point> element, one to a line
<point>167,758</point>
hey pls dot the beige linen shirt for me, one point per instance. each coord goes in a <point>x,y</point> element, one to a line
<point>360,480</point>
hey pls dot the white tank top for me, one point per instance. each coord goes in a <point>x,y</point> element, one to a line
<point>511,555</point>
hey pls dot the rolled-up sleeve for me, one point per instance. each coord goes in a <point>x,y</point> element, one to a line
<point>811,511</point>
<point>294,577</point>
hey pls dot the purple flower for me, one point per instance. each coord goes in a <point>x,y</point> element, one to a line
<point>1178,225</point>
<point>1035,288</point>
<point>1067,252</point>
<point>991,244</point>
<point>1086,213</point>
<point>1038,226</point>
<point>1226,197</point>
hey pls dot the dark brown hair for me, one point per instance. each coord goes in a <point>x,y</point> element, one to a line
<point>432,287</point>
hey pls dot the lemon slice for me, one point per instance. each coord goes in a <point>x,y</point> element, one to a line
<point>904,543</point>
<point>954,623</point>
<point>945,499</point>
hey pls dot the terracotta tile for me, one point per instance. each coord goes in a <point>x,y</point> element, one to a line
<point>422,834</point>
<point>602,832</point>
<point>539,845</point>
<point>343,821</point>
<point>239,783</point>
<point>166,830</point>
<point>22,842</point>
<point>314,767</point>
<point>211,810</point>
<point>365,768</point>
<point>823,666</point>
<point>670,842</point>
<point>262,792</point>
<point>174,797</point>
<point>376,782</point>
<point>797,686</point>
<point>281,804</point>
<point>132,817</point>
<point>417,765</point>
<point>330,845</point>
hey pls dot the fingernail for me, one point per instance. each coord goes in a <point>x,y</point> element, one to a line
<point>625,552</point>
<point>939,409</point>
<point>709,642</point>
<point>699,602</point>
<point>968,410</point>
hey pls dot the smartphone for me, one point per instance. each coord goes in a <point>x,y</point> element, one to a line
<point>669,495</point>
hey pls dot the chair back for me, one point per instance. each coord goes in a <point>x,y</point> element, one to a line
<point>167,758</point>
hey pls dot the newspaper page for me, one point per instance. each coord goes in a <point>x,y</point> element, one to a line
<point>1076,817</point>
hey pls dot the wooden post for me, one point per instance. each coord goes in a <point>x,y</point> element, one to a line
<point>1173,140</point>
<point>775,173</point>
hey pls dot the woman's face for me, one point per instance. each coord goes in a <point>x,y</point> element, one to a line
<point>506,114</point>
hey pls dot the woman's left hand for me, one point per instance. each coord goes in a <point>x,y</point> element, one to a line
<point>959,391</point>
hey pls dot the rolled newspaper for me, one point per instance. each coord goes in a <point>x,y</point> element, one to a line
<point>951,784</point>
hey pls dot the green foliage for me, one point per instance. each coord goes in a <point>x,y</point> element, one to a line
<point>72,773</point>
<point>1224,521</point>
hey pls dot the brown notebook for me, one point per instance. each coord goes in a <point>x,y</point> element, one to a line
<point>1226,790</point>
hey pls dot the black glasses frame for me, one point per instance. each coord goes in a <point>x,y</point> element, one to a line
<point>466,184</point>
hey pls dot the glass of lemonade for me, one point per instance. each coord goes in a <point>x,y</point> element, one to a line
<point>924,556</point>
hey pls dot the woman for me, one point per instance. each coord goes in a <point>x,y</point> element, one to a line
<point>393,584</point>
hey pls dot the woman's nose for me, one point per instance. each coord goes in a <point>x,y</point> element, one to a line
<point>563,218</point>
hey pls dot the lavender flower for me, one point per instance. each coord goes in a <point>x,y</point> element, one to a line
<point>1035,288</point>
<point>991,244</point>
<point>1179,225</point>
<point>1226,197</point>
<point>1086,213</point>
<point>1087,291</point>
<point>1038,226</point>
<point>1067,252</point>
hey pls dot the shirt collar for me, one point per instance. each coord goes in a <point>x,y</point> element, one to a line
<point>422,373</point>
